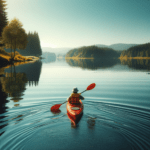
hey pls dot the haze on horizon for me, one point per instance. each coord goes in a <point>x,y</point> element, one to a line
<point>75,23</point>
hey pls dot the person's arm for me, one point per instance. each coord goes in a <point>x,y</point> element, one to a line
<point>81,97</point>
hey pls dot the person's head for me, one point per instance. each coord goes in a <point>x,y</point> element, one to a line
<point>75,90</point>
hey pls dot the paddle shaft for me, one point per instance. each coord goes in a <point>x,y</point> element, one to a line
<point>83,91</point>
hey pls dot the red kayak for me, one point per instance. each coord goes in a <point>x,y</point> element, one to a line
<point>74,112</point>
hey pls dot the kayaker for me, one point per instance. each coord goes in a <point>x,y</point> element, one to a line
<point>75,97</point>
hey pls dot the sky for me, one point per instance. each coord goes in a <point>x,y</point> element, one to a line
<point>76,23</point>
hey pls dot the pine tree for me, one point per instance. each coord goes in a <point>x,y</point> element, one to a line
<point>3,16</point>
<point>33,46</point>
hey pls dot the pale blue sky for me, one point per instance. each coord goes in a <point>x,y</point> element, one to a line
<point>74,23</point>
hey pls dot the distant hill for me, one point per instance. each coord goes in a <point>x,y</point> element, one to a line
<point>142,50</point>
<point>63,51</point>
<point>118,47</point>
<point>94,52</point>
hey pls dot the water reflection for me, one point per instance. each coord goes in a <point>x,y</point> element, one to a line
<point>56,112</point>
<point>13,82</point>
<point>2,72</point>
<point>31,70</point>
<point>18,118</point>
<point>139,64</point>
<point>91,122</point>
<point>93,64</point>
<point>3,108</point>
<point>16,78</point>
<point>14,85</point>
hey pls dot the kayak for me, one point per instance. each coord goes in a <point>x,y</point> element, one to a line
<point>74,112</point>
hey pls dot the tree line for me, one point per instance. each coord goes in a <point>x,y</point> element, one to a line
<point>3,16</point>
<point>13,36</point>
<point>93,52</point>
<point>142,50</point>
<point>33,47</point>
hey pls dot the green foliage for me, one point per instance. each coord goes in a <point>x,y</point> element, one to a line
<point>137,51</point>
<point>33,47</point>
<point>3,16</point>
<point>14,36</point>
<point>93,51</point>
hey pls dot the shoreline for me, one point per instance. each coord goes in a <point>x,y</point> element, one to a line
<point>19,60</point>
<point>79,58</point>
<point>121,58</point>
<point>129,58</point>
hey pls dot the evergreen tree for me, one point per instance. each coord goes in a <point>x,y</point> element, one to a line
<point>142,50</point>
<point>33,46</point>
<point>3,16</point>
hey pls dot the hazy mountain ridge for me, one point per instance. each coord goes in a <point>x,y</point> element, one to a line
<point>118,46</point>
<point>62,51</point>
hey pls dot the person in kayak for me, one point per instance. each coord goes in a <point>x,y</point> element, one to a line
<point>75,97</point>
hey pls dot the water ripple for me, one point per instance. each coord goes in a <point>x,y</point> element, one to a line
<point>133,122</point>
<point>19,124</point>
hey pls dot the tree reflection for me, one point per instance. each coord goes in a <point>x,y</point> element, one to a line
<point>32,71</point>
<point>18,118</point>
<point>93,64</point>
<point>14,84</point>
<point>140,64</point>
<point>13,81</point>
<point>3,108</point>
<point>2,72</point>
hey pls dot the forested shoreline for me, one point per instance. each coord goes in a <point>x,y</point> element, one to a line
<point>142,50</point>
<point>94,52</point>
<point>33,47</point>
<point>15,44</point>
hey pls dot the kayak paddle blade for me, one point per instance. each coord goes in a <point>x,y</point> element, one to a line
<point>91,86</point>
<point>55,108</point>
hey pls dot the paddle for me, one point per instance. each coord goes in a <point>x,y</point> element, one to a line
<point>55,108</point>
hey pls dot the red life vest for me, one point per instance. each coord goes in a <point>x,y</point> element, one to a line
<point>74,98</point>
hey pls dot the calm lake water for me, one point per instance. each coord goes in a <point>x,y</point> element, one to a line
<point>116,112</point>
